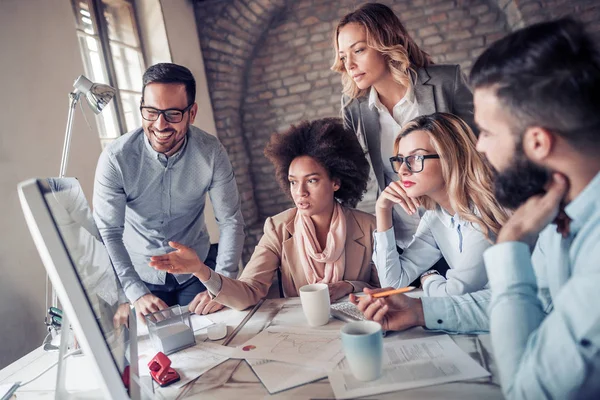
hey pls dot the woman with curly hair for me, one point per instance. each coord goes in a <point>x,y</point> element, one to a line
<point>387,81</point>
<point>322,167</point>
<point>439,168</point>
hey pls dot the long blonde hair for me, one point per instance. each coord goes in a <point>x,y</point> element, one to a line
<point>467,175</point>
<point>386,34</point>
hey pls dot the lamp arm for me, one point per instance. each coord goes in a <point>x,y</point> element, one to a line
<point>102,94</point>
<point>73,99</point>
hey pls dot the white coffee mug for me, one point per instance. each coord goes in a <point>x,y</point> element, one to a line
<point>362,342</point>
<point>315,303</point>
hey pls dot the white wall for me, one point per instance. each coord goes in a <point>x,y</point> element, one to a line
<point>168,29</point>
<point>39,60</point>
<point>184,44</point>
<point>152,29</point>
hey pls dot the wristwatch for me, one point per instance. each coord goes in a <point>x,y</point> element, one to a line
<point>427,273</point>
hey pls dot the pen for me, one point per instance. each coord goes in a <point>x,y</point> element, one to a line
<point>391,292</point>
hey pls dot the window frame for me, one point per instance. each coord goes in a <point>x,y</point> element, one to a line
<point>96,9</point>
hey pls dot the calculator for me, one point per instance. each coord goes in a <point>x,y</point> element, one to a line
<point>346,311</point>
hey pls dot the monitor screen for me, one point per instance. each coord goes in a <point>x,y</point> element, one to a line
<point>73,218</point>
<point>81,272</point>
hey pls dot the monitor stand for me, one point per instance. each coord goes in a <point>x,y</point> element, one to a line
<point>135,389</point>
<point>61,373</point>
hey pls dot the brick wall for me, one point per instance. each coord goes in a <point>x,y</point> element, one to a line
<point>587,11</point>
<point>520,13</point>
<point>267,63</point>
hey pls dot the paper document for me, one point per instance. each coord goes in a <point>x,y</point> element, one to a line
<point>200,322</point>
<point>409,364</point>
<point>308,347</point>
<point>279,376</point>
<point>191,362</point>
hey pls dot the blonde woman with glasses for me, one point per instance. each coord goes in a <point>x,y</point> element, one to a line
<point>440,169</point>
<point>387,81</point>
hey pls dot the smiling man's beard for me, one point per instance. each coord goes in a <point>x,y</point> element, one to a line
<point>520,181</point>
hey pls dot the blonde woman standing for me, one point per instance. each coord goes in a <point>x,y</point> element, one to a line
<point>387,81</point>
<point>439,168</point>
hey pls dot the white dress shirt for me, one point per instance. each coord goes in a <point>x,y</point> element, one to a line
<point>439,234</point>
<point>403,112</point>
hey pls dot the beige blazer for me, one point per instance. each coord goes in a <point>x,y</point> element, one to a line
<point>277,250</point>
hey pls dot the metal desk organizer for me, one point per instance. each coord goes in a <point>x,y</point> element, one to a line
<point>170,329</point>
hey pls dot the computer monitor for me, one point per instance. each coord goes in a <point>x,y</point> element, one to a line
<point>64,232</point>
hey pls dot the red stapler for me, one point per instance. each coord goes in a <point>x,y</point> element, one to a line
<point>161,371</point>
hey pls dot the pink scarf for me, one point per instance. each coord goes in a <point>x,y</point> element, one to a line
<point>325,266</point>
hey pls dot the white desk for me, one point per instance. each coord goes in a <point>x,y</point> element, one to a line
<point>234,378</point>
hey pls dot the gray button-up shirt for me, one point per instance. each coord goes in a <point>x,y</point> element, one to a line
<point>142,200</point>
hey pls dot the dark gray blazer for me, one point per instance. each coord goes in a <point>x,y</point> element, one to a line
<point>438,88</point>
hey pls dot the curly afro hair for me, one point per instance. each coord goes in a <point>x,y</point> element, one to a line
<point>331,145</point>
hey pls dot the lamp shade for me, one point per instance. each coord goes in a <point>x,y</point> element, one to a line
<point>97,95</point>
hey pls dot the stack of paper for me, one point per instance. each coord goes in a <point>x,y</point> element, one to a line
<point>308,347</point>
<point>286,357</point>
<point>278,376</point>
<point>409,364</point>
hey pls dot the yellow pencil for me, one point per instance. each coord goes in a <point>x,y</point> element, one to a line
<point>391,292</point>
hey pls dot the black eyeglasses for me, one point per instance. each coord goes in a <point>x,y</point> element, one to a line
<point>413,163</point>
<point>172,115</point>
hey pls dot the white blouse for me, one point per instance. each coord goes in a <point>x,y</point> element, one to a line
<point>439,235</point>
<point>390,126</point>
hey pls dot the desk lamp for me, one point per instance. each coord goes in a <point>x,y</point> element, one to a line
<point>98,96</point>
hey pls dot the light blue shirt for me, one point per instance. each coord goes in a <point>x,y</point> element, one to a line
<point>460,242</point>
<point>467,313</point>
<point>143,200</point>
<point>553,354</point>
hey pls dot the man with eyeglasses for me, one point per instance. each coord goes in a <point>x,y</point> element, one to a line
<point>150,190</point>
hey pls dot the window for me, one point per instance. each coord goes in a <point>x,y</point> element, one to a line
<point>112,53</point>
